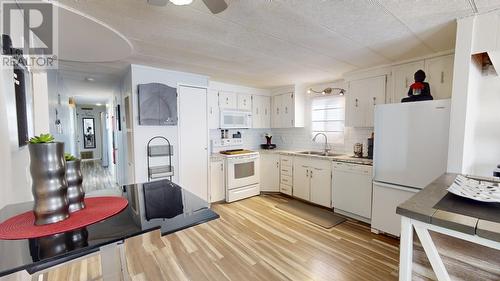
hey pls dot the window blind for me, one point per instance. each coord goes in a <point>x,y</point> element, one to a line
<point>328,116</point>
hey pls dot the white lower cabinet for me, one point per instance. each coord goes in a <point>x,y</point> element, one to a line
<point>286,174</point>
<point>312,180</point>
<point>352,189</point>
<point>217,191</point>
<point>270,172</point>
<point>386,198</point>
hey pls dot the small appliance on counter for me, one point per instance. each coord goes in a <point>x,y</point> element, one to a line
<point>358,150</point>
<point>268,144</point>
<point>370,147</point>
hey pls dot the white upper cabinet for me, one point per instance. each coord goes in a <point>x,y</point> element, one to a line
<point>439,75</point>
<point>286,110</point>
<point>402,78</point>
<point>439,72</point>
<point>261,115</point>
<point>213,109</point>
<point>244,102</point>
<point>228,100</point>
<point>362,97</point>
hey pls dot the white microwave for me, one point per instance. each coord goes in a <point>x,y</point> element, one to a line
<point>233,119</point>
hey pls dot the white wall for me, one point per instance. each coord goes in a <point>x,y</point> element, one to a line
<point>142,134</point>
<point>474,145</point>
<point>15,185</point>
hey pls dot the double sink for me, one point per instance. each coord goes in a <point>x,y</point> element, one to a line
<point>320,153</point>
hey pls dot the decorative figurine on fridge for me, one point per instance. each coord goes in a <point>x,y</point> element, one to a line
<point>420,90</point>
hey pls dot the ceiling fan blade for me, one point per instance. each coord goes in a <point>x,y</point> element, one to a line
<point>216,6</point>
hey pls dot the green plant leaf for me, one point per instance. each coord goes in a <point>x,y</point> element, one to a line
<point>42,138</point>
<point>69,157</point>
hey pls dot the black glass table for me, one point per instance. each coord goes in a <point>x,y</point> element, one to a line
<point>155,206</point>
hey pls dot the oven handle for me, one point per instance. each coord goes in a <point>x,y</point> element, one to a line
<point>245,159</point>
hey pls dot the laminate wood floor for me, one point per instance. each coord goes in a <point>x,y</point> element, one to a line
<point>96,177</point>
<point>253,240</point>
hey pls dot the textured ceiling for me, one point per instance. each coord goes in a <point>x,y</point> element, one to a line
<point>266,43</point>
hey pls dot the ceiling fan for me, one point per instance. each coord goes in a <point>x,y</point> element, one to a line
<point>215,6</point>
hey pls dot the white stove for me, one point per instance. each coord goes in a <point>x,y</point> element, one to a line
<point>242,170</point>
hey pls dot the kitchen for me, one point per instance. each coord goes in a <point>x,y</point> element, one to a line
<point>272,145</point>
<point>323,169</point>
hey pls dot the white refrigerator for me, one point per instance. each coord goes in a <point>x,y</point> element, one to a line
<point>410,151</point>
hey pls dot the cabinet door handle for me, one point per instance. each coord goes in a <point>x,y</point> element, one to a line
<point>406,82</point>
<point>277,165</point>
<point>374,100</point>
<point>265,111</point>
<point>277,110</point>
<point>222,167</point>
<point>356,102</point>
<point>211,111</point>
<point>442,77</point>
<point>311,174</point>
<point>286,109</point>
<point>307,173</point>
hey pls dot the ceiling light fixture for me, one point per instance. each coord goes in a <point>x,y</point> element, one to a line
<point>327,91</point>
<point>181,2</point>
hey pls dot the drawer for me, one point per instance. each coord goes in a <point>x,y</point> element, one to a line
<point>286,180</point>
<point>286,170</point>
<point>286,189</point>
<point>286,160</point>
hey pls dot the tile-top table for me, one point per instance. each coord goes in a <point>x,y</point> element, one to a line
<point>174,210</point>
<point>419,213</point>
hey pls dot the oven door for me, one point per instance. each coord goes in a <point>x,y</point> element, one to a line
<point>242,171</point>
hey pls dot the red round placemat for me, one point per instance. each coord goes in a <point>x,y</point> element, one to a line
<point>96,209</point>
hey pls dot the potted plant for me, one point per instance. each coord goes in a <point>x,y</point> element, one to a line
<point>74,179</point>
<point>48,171</point>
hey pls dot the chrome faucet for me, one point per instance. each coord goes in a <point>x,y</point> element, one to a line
<point>326,142</point>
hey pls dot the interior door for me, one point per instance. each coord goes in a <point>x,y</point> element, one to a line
<point>193,140</point>
<point>301,183</point>
<point>320,175</point>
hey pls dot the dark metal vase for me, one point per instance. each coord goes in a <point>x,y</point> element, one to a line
<point>48,171</point>
<point>75,188</point>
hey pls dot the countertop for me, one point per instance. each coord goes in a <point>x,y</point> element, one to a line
<point>337,158</point>
<point>421,207</point>
<point>183,210</point>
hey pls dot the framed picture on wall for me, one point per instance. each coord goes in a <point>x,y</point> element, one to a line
<point>88,133</point>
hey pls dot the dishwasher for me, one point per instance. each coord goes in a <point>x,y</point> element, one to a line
<point>352,190</point>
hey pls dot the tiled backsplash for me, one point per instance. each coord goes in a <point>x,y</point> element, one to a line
<point>298,138</point>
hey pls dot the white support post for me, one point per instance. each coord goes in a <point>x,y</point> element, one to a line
<point>432,254</point>
<point>113,265</point>
<point>406,250</point>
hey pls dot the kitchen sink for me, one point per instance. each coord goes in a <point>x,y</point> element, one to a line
<point>319,153</point>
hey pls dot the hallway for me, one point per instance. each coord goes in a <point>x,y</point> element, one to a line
<point>96,177</point>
